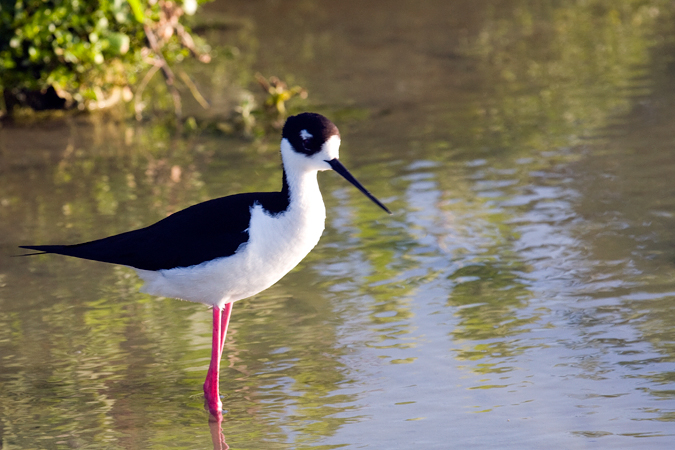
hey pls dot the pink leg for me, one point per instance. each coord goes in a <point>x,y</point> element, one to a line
<point>211,394</point>
<point>224,322</point>
<point>211,384</point>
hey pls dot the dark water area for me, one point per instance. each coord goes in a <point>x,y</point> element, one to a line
<point>521,296</point>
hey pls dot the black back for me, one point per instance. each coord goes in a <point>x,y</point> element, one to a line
<point>200,233</point>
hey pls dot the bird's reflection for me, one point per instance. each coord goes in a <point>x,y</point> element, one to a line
<point>217,436</point>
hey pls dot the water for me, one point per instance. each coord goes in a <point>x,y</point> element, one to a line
<point>521,296</point>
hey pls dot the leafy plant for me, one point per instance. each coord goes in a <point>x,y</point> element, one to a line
<point>88,53</point>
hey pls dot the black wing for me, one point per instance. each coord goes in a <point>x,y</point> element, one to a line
<point>200,233</point>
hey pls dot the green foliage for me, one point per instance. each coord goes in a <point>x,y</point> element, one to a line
<point>81,48</point>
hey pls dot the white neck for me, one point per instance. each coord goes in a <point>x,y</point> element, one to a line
<point>301,178</point>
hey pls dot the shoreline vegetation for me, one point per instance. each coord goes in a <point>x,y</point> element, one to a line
<point>135,56</point>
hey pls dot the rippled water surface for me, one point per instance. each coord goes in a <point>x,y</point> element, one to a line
<point>522,296</point>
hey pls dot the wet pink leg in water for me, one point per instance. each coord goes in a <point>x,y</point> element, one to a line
<point>221,318</point>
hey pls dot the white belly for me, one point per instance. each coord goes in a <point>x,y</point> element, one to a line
<point>276,245</point>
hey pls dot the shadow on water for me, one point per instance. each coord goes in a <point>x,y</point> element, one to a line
<point>524,284</point>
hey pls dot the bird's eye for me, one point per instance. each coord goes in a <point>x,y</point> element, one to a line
<point>306,139</point>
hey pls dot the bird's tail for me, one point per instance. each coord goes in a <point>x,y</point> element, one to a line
<point>42,249</point>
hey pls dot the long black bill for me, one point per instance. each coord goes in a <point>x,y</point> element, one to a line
<point>342,170</point>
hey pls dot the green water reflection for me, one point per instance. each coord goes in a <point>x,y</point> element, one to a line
<point>524,284</point>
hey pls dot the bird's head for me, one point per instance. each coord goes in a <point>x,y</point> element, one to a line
<point>311,142</point>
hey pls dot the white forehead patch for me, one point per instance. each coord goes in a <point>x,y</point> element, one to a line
<point>305,134</point>
<point>332,147</point>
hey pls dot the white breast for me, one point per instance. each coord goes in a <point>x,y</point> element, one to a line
<point>276,245</point>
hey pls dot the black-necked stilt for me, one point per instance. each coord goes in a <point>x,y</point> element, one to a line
<point>231,248</point>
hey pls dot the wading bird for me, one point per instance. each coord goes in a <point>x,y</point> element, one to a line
<point>230,248</point>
